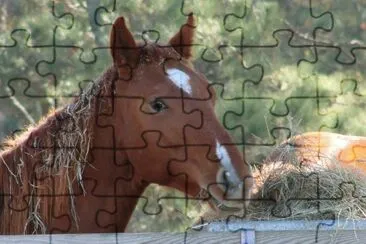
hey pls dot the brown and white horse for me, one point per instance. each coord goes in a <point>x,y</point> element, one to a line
<point>323,147</point>
<point>148,119</point>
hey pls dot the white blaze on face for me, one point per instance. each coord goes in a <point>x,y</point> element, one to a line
<point>180,79</point>
<point>226,163</point>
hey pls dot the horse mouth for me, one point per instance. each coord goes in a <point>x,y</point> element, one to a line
<point>217,204</point>
<point>221,206</point>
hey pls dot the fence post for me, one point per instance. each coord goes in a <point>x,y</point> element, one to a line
<point>247,236</point>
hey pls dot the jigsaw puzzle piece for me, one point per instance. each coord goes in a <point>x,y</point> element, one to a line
<point>149,206</point>
<point>105,193</point>
<point>281,98</point>
<point>37,204</point>
<point>231,72</point>
<point>312,108</point>
<point>346,104</point>
<point>113,157</point>
<point>271,129</point>
<point>109,216</point>
<point>93,214</point>
<point>211,18</point>
<point>266,18</point>
<point>283,197</point>
<point>17,18</point>
<point>18,206</point>
<point>337,91</point>
<point>89,15</point>
<point>11,81</point>
<point>155,212</point>
<point>189,120</point>
<point>23,92</point>
<point>280,81</point>
<point>288,201</point>
<point>345,34</point>
<point>225,107</point>
<point>162,205</point>
<point>51,207</point>
<point>64,79</point>
<point>99,16</point>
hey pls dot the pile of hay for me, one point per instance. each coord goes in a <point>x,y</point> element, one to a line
<point>316,191</point>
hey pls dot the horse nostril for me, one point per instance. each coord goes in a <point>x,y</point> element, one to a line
<point>215,158</point>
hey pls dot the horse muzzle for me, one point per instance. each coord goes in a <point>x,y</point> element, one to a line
<point>229,193</point>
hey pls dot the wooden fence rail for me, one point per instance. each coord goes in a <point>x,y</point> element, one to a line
<point>249,232</point>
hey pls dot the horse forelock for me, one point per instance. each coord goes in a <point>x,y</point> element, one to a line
<point>152,52</point>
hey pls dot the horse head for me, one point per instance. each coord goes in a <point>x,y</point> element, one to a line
<point>165,119</point>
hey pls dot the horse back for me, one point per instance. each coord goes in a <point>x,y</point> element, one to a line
<point>322,147</point>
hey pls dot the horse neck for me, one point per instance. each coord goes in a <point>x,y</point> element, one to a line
<point>69,151</point>
<point>113,175</point>
<point>109,166</point>
<point>108,178</point>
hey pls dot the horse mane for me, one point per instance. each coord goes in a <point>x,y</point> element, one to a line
<point>43,166</point>
<point>47,159</point>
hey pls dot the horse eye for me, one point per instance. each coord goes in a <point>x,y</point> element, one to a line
<point>158,105</point>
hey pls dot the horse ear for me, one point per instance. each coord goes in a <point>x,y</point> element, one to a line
<point>182,41</point>
<point>123,46</point>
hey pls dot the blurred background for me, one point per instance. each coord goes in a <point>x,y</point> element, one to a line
<point>280,68</point>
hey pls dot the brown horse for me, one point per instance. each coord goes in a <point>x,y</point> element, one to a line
<point>324,147</point>
<point>148,119</point>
